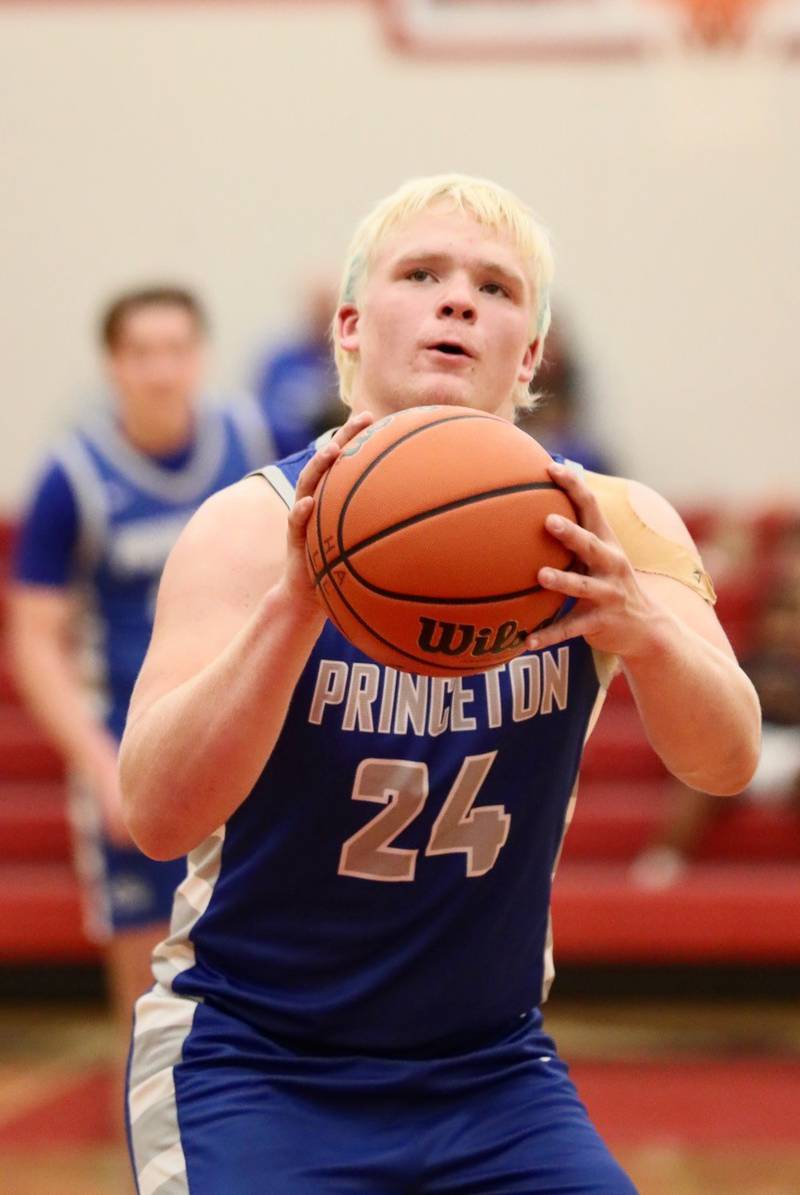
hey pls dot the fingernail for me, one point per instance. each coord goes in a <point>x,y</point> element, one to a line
<point>546,575</point>
<point>532,642</point>
<point>555,522</point>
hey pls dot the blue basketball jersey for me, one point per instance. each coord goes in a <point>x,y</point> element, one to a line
<point>386,884</point>
<point>131,510</point>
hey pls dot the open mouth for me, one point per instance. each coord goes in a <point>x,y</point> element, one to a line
<point>450,350</point>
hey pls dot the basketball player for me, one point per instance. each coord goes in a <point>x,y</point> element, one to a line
<point>324,1020</point>
<point>108,506</point>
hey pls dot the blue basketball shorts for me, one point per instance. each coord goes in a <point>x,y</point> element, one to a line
<point>121,888</point>
<point>216,1106</point>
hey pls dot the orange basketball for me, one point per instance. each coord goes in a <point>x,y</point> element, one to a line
<point>427,537</point>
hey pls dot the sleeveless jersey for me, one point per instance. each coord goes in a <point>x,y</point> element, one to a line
<point>131,510</point>
<point>385,887</point>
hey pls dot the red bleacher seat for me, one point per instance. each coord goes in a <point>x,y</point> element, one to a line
<point>33,822</point>
<point>738,600</point>
<point>701,520</point>
<point>619,692</point>
<point>618,749</point>
<point>41,914</point>
<point>25,752</point>
<point>614,821</point>
<point>719,912</point>
<point>769,524</point>
<point>8,690</point>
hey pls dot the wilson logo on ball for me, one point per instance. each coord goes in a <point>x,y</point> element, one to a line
<point>458,638</point>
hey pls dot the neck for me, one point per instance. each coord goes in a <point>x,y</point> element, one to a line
<point>158,433</point>
<point>380,408</point>
<point>358,403</point>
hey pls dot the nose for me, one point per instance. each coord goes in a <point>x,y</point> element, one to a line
<point>458,303</point>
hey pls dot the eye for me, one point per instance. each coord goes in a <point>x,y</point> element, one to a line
<point>418,275</point>
<point>494,288</point>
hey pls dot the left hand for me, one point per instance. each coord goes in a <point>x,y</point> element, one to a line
<point>612,612</point>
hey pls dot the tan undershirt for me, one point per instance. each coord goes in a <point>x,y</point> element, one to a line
<point>647,550</point>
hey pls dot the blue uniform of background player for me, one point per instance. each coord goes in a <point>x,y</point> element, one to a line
<point>348,1000</point>
<point>103,518</point>
<point>109,504</point>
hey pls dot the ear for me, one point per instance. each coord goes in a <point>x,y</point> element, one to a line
<point>347,318</point>
<point>528,365</point>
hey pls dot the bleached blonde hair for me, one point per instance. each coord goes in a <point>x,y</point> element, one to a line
<point>485,202</point>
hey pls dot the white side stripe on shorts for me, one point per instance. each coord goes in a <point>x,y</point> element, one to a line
<point>161,1025</point>
<point>148,1093</point>
<point>163,1012</point>
<point>159,1170</point>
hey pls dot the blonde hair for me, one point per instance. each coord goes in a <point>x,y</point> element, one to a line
<point>487,203</point>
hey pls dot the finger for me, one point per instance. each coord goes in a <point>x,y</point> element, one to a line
<point>312,473</point>
<point>322,460</point>
<point>571,627</point>
<point>354,425</point>
<point>298,519</point>
<point>590,548</point>
<point>583,499</point>
<point>578,585</point>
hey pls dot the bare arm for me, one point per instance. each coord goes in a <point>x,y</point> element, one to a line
<point>236,620</point>
<point>700,712</point>
<point>44,660</point>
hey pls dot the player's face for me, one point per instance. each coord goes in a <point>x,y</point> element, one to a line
<point>444,317</point>
<point>157,362</point>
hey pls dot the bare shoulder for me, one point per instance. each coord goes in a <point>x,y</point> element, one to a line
<point>234,521</point>
<point>237,535</point>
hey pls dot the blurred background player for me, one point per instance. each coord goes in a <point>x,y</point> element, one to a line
<point>109,503</point>
<point>559,420</point>
<point>296,383</point>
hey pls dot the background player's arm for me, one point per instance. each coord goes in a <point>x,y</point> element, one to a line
<point>44,652</point>
<point>45,665</point>
<point>699,709</point>
<point>236,619</point>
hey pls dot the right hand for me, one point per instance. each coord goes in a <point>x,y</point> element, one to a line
<point>296,581</point>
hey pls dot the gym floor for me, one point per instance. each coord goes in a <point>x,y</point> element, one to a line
<point>695,1099</point>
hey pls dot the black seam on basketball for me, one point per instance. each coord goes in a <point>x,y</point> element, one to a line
<point>415,431</point>
<point>331,613</point>
<point>485,600</point>
<point>326,568</point>
<point>441,601</point>
<point>457,669</point>
<point>433,512</point>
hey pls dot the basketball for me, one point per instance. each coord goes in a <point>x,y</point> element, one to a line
<point>427,536</point>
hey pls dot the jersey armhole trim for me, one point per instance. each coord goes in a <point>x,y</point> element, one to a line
<point>90,501</point>
<point>279,483</point>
